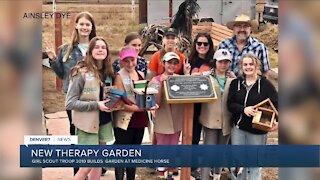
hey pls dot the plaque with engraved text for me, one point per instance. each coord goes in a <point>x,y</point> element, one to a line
<point>189,89</point>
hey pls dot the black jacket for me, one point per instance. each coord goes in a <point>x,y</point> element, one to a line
<point>237,101</point>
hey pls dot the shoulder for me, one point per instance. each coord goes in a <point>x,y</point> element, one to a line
<point>266,82</point>
<point>79,69</point>
<point>180,55</point>
<point>141,73</point>
<point>64,47</point>
<point>155,58</point>
<point>235,81</point>
<point>156,55</point>
<point>142,60</point>
<point>116,61</point>
<point>226,42</point>
<point>156,79</point>
<point>256,42</point>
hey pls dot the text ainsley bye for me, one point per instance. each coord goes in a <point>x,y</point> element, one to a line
<point>46,15</point>
<point>86,153</point>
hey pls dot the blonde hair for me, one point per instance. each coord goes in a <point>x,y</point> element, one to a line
<point>256,62</point>
<point>75,34</point>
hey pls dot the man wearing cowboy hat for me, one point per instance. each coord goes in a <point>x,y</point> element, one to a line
<point>242,43</point>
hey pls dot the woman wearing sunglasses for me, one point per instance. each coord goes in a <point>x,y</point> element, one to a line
<point>201,60</point>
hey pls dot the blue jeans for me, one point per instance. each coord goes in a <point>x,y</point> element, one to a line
<point>240,137</point>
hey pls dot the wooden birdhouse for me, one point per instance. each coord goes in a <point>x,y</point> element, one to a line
<point>266,115</point>
<point>117,99</point>
<point>145,96</point>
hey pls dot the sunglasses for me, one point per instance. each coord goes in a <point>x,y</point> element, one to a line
<point>204,43</point>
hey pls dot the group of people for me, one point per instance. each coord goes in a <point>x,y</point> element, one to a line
<point>239,68</point>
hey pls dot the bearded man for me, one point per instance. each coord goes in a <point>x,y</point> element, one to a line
<point>242,43</point>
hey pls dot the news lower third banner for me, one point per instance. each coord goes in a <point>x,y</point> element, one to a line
<point>169,155</point>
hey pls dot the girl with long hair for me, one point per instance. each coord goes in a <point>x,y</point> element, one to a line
<point>85,98</point>
<point>244,93</point>
<point>133,40</point>
<point>72,52</point>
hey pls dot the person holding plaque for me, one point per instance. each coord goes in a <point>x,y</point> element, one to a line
<point>168,118</point>
<point>245,92</point>
<point>169,44</point>
<point>214,116</point>
<point>85,98</point>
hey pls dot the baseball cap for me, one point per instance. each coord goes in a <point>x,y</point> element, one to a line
<point>170,55</point>
<point>170,31</point>
<point>222,54</point>
<point>128,52</point>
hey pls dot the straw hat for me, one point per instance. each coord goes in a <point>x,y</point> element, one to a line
<point>243,19</point>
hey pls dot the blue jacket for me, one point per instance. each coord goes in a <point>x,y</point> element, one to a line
<point>61,68</point>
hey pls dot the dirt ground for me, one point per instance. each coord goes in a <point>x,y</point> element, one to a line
<point>114,22</point>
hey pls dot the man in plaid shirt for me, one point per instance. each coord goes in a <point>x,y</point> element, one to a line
<point>242,43</point>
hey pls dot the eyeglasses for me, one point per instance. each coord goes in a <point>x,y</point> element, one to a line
<point>204,43</point>
<point>245,26</point>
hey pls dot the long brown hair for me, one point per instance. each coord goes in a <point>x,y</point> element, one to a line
<point>91,64</point>
<point>75,34</point>
<point>130,37</point>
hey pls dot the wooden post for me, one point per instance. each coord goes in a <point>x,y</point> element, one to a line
<point>57,42</point>
<point>170,10</point>
<point>187,136</point>
<point>143,11</point>
<point>133,10</point>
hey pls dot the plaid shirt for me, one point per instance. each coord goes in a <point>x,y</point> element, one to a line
<point>253,46</point>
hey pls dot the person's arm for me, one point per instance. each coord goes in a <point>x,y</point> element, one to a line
<point>232,105</point>
<point>153,66</point>
<point>131,108</point>
<point>142,64</point>
<point>272,93</point>
<point>56,63</point>
<point>186,67</point>
<point>158,85</point>
<point>73,101</point>
<point>264,58</point>
<point>181,64</point>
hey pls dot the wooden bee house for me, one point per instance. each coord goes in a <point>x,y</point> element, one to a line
<point>266,115</point>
